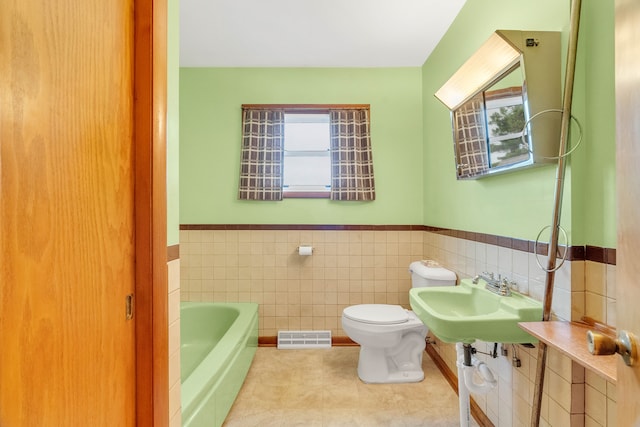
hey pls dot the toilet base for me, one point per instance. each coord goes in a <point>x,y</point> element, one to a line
<point>397,377</point>
<point>384,366</point>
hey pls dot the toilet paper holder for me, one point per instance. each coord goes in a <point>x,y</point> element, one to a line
<point>305,250</point>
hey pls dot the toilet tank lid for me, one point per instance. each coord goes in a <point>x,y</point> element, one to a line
<point>381,314</point>
<point>429,269</point>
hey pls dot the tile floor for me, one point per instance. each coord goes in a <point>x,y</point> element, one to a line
<point>320,387</point>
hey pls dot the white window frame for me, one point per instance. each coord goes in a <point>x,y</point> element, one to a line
<point>320,148</point>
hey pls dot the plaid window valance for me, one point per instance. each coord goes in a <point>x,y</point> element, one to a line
<point>262,156</point>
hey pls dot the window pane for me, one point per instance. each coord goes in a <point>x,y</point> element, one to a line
<point>307,170</point>
<point>307,162</point>
<point>306,132</point>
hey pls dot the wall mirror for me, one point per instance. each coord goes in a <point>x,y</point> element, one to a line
<point>513,80</point>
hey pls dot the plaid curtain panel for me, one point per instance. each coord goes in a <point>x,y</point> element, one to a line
<point>471,134</point>
<point>351,157</point>
<point>261,162</point>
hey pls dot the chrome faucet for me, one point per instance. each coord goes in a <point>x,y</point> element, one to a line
<point>500,286</point>
<point>486,276</point>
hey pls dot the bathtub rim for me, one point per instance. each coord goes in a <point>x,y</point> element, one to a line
<point>213,367</point>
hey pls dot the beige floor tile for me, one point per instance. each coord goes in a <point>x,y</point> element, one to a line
<point>264,418</point>
<point>320,387</point>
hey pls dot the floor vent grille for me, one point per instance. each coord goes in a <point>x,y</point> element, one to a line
<point>304,339</point>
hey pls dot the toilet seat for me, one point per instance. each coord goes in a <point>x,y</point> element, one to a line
<point>377,314</point>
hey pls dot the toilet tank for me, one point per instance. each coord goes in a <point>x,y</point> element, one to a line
<point>429,273</point>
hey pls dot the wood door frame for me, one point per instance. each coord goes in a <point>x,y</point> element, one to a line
<point>151,282</point>
<point>627,90</point>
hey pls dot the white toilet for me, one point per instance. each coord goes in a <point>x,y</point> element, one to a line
<point>392,338</point>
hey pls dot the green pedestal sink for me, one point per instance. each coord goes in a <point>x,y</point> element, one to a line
<point>470,312</point>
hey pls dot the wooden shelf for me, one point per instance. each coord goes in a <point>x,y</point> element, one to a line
<point>571,340</point>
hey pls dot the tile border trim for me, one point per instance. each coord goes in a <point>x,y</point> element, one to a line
<point>317,227</point>
<point>576,253</point>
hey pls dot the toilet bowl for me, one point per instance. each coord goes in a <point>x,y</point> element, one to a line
<point>391,338</point>
<point>391,342</point>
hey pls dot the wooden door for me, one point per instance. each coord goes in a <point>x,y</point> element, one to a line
<point>67,351</point>
<point>628,183</point>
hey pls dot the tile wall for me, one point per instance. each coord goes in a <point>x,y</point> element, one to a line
<point>600,292</point>
<point>299,292</point>
<point>354,267</point>
<point>572,396</point>
<point>175,414</point>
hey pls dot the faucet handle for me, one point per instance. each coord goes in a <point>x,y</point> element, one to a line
<point>489,275</point>
<point>505,289</point>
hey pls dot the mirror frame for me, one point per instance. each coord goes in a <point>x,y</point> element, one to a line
<point>537,54</point>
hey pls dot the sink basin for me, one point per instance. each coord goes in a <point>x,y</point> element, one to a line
<point>470,312</point>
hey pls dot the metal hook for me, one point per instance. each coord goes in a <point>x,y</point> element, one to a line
<point>564,256</point>
<point>551,110</point>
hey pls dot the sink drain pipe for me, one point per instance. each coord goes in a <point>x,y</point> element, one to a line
<point>468,365</point>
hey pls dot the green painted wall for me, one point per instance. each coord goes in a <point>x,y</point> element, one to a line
<point>173,122</point>
<point>210,139</point>
<point>413,151</point>
<point>519,204</point>
<point>594,201</point>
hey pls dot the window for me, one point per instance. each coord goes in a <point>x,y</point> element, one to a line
<point>308,151</point>
<point>307,160</point>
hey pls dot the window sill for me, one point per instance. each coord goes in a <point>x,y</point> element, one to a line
<point>306,195</point>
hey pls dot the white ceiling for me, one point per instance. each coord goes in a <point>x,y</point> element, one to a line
<point>312,33</point>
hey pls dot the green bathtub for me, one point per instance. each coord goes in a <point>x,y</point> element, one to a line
<point>217,345</point>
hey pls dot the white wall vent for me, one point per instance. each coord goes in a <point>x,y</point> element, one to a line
<point>304,339</point>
